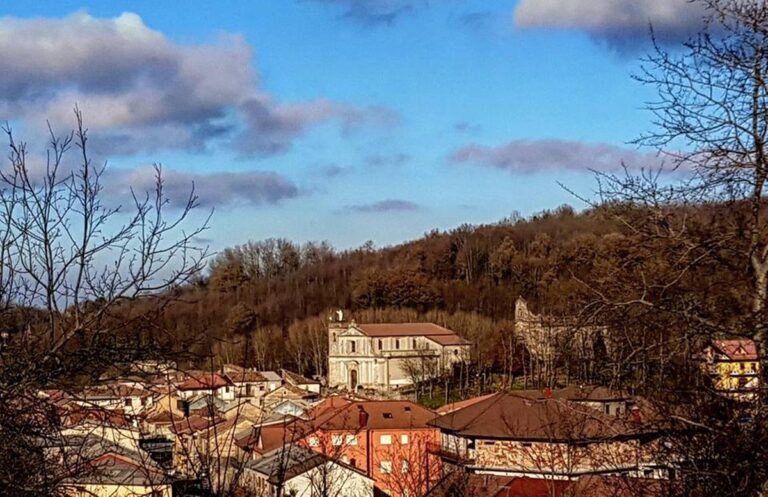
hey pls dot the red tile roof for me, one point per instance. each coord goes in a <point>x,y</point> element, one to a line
<point>208,381</point>
<point>381,415</point>
<point>737,350</point>
<point>455,406</point>
<point>433,332</point>
<point>518,417</point>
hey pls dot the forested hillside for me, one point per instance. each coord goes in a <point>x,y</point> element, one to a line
<point>265,303</point>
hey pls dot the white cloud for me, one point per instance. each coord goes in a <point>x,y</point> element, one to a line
<point>141,91</point>
<point>621,23</point>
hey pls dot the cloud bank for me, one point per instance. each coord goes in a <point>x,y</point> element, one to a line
<point>253,188</point>
<point>139,91</point>
<point>531,156</point>
<point>388,205</point>
<point>620,23</point>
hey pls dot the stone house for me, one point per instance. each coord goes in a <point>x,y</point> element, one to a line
<point>550,435</point>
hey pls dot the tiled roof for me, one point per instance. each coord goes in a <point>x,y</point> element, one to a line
<point>381,415</point>
<point>403,329</point>
<point>455,406</point>
<point>518,417</point>
<point>737,350</point>
<point>207,381</point>
<point>297,379</point>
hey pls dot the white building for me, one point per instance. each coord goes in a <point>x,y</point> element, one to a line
<point>391,355</point>
<point>302,472</point>
<point>212,384</point>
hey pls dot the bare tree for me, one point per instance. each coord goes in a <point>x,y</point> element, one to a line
<point>70,261</point>
<point>711,124</point>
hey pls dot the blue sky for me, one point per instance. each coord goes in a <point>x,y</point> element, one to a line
<point>340,120</point>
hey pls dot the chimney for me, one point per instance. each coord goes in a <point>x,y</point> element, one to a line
<point>362,417</point>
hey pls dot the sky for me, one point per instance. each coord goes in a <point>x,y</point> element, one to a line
<point>341,120</point>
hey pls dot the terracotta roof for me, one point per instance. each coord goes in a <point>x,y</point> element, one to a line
<point>297,379</point>
<point>518,417</point>
<point>207,381</point>
<point>448,339</point>
<point>455,406</point>
<point>594,393</point>
<point>115,391</point>
<point>737,350</point>
<point>246,377</point>
<point>264,439</point>
<point>381,415</point>
<point>403,329</point>
<point>194,423</point>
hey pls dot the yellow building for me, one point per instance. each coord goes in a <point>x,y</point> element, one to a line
<point>734,367</point>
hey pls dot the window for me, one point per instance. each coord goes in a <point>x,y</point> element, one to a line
<point>386,467</point>
<point>314,442</point>
<point>397,344</point>
<point>387,415</point>
<point>414,343</point>
<point>128,402</point>
<point>333,337</point>
<point>404,439</point>
<point>405,467</point>
<point>336,440</point>
<point>144,401</point>
<point>261,388</point>
<point>352,462</point>
<point>381,344</point>
<point>352,346</point>
<point>386,440</point>
<point>351,440</point>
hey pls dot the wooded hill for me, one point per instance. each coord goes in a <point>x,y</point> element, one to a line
<point>266,303</point>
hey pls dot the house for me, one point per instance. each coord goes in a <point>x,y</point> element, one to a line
<point>391,355</point>
<point>549,434</point>
<point>251,384</point>
<point>302,382</point>
<point>287,392</point>
<point>114,474</point>
<point>387,440</point>
<point>130,399</point>
<point>213,384</point>
<point>733,366</point>
<point>300,472</point>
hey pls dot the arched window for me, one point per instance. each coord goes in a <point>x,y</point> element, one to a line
<point>333,337</point>
<point>352,346</point>
<point>381,344</point>
<point>397,344</point>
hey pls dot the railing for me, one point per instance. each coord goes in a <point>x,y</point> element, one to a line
<point>448,454</point>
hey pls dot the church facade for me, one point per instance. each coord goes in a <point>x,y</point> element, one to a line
<point>390,355</point>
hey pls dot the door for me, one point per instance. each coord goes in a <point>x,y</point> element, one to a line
<point>353,379</point>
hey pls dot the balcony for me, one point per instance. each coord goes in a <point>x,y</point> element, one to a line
<point>449,454</point>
